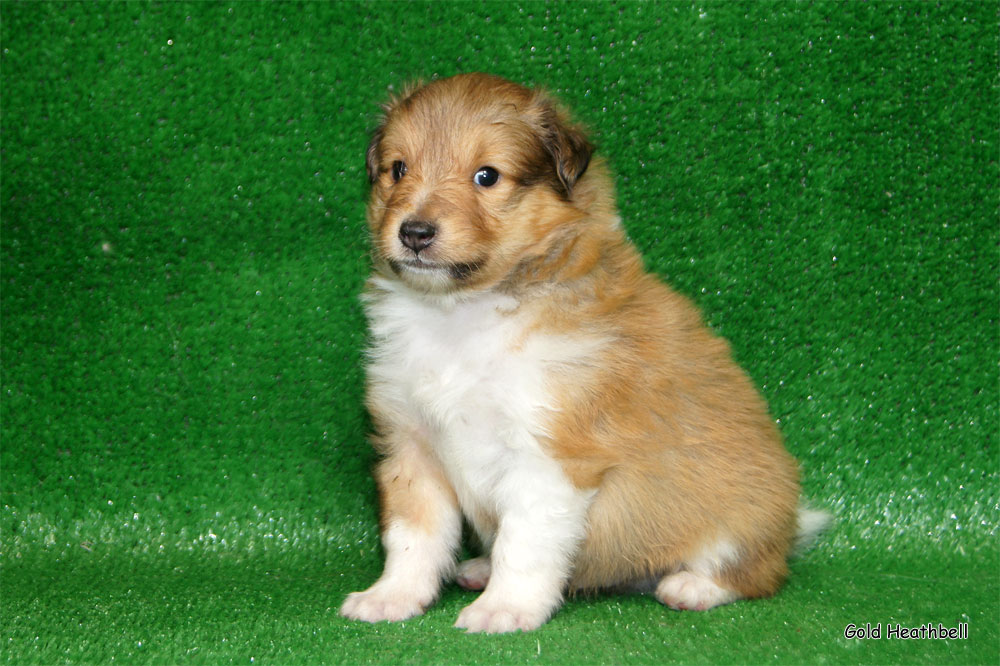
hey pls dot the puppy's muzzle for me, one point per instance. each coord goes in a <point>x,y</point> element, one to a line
<point>417,234</point>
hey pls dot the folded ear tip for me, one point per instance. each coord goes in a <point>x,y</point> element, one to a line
<point>567,143</point>
<point>394,101</point>
<point>372,156</point>
<point>575,164</point>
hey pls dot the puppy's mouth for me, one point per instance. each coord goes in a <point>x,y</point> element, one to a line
<point>458,271</point>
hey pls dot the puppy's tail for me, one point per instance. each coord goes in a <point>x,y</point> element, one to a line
<point>811,523</point>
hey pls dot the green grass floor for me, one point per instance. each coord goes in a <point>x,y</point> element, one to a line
<point>184,476</point>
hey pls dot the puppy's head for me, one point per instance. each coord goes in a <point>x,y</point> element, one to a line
<point>469,175</point>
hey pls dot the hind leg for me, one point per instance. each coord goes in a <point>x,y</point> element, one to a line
<point>686,590</point>
<point>698,585</point>
<point>722,573</point>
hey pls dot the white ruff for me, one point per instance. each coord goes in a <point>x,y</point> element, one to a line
<point>465,374</point>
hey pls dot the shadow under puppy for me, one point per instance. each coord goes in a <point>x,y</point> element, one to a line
<point>525,372</point>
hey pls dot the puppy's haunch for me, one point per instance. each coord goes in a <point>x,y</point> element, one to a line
<point>528,376</point>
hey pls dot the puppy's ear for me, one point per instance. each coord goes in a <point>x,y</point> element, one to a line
<point>373,156</point>
<point>566,144</point>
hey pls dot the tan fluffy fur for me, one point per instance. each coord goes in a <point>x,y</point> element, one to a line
<point>660,422</point>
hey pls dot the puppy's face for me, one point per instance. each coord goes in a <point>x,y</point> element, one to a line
<point>469,175</point>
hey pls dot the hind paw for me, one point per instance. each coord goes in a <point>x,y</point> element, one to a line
<point>689,591</point>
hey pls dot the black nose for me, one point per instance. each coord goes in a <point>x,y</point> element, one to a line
<point>416,234</point>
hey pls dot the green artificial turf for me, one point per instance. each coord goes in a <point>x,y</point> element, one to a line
<point>184,475</point>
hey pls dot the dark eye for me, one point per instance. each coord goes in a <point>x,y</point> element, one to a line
<point>486,177</point>
<point>398,170</point>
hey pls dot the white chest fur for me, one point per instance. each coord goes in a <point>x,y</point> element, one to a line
<point>469,376</point>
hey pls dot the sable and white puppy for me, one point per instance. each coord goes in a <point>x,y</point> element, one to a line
<point>528,375</point>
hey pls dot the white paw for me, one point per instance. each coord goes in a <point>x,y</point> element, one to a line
<point>474,574</point>
<point>492,615</point>
<point>384,602</point>
<point>689,591</point>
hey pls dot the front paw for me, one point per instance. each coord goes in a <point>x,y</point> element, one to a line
<point>383,602</point>
<point>494,615</point>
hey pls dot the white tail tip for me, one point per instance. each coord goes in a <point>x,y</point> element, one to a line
<point>810,524</point>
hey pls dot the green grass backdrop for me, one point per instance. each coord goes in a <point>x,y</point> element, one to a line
<point>184,476</point>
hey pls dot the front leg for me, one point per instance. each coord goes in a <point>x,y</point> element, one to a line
<point>543,520</point>
<point>421,529</point>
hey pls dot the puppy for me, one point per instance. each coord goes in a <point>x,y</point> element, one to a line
<point>526,374</point>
